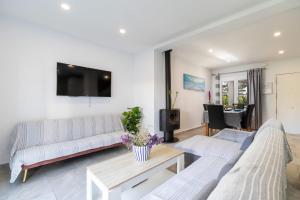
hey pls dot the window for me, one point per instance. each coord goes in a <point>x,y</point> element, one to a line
<point>233,88</point>
<point>227,93</point>
<point>242,92</point>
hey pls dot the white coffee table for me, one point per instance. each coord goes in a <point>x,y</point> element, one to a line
<point>120,173</point>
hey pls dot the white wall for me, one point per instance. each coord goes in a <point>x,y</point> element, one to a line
<point>28,57</point>
<point>159,87</point>
<point>272,68</point>
<point>143,89</point>
<point>189,102</point>
<point>269,75</point>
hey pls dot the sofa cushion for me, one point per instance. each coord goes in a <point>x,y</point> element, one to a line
<point>260,173</point>
<point>193,183</point>
<point>229,164</point>
<point>199,193</point>
<point>248,140</point>
<point>232,135</point>
<point>207,146</point>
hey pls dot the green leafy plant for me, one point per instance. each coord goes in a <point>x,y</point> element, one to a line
<point>243,100</point>
<point>131,120</point>
<point>225,100</point>
<point>173,101</point>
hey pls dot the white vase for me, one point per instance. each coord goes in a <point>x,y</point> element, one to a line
<point>141,153</point>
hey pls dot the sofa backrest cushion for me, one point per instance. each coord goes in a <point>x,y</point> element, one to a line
<point>260,173</point>
<point>278,125</point>
<point>43,132</point>
<point>271,123</point>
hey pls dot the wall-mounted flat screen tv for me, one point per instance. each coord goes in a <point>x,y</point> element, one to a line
<point>75,80</point>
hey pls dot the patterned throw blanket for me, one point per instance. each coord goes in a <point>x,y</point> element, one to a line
<point>261,171</point>
<point>42,140</point>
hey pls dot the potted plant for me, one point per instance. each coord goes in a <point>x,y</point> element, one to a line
<point>174,101</point>
<point>131,120</point>
<point>140,141</point>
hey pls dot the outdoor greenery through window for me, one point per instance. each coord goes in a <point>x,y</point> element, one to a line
<point>227,93</point>
<point>242,92</point>
<point>234,92</point>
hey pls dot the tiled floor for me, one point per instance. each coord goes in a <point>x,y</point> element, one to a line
<point>61,181</point>
<point>66,180</point>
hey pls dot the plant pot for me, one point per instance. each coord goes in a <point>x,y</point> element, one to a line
<point>141,153</point>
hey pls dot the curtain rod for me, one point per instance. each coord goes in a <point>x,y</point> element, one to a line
<point>263,68</point>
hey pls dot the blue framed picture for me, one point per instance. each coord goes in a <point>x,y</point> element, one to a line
<point>191,82</point>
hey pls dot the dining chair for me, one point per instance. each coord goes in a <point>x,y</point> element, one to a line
<point>216,117</point>
<point>247,117</point>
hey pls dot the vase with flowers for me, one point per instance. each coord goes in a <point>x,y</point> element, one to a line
<point>140,141</point>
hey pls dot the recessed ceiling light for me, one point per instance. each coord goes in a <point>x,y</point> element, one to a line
<point>122,31</point>
<point>210,50</point>
<point>277,34</point>
<point>65,6</point>
<point>281,52</point>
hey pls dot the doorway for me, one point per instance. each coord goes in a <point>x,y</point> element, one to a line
<point>288,101</point>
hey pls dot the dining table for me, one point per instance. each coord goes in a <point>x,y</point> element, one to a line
<point>232,118</point>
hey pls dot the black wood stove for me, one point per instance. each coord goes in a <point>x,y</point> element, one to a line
<point>169,119</point>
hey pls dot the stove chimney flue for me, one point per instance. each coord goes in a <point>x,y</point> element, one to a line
<point>169,117</point>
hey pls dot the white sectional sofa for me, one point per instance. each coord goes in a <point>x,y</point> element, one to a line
<point>38,143</point>
<point>227,171</point>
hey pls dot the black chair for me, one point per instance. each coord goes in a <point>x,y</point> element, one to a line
<point>216,117</point>
<point>205,106</point>
<point>247,117</point>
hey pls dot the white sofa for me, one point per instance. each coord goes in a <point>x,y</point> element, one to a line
<point>37,143</point>
<point>221,174</point>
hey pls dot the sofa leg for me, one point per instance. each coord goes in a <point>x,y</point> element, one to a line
<point>25,175</point>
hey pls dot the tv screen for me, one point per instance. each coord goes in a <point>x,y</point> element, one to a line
<point>74,80</point>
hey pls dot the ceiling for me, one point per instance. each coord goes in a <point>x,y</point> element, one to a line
<point>148,22</point>
<point>248,42</point>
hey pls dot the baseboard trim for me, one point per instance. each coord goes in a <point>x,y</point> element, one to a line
<point>189,129</point>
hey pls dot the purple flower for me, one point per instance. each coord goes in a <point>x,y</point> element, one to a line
<point>153,140</point>
<point>141,139</point>
<point>126,139</point>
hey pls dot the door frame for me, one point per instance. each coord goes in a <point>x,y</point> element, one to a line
<point>276,83</point>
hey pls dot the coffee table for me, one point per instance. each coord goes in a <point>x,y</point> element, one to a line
<point>123,172</point>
